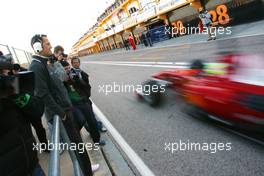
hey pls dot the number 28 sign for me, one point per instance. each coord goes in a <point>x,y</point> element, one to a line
<point>220,15</point>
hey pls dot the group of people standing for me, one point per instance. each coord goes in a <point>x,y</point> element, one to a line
<point>60,88</point>
<point>144,39</point>
<point>65,91</point>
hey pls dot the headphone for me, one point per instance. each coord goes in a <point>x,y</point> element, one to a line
<point>37,47</point>
<point>37,43</point>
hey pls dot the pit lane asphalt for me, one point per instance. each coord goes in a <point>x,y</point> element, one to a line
<point>147,129</point>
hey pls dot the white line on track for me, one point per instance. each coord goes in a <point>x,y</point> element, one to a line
<point>134,62</point>
<point>131,154</point>
<point>142,64</point>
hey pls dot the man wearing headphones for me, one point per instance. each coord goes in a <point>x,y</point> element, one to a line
<point>46,89</point>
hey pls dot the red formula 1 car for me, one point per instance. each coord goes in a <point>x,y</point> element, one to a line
<point>231,91</point>
<point>154,87</point>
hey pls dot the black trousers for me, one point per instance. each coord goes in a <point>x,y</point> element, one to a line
<point>149,41</point>
<point>127,47</point>
<point>86,108</point>
<point>75,137</point>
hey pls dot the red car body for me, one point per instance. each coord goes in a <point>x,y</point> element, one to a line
<point>238,101</point>
<point>177,77</point>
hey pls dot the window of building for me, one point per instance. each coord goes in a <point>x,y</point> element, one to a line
<point>132,10</point>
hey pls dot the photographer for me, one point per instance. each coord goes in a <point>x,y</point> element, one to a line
<point>79,91</point>
<point>76,66</point>
<point>55,67</point>
<point>59,53</point>
<point>46,88</point>
<point>17,156</point>
<point>29,105</point>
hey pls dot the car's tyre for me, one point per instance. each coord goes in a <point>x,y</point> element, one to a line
<point>197,64</point>
<point>151,93</point>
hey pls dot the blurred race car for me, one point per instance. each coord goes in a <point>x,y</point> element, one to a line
<point>154,87</point>
<point>230,91</point>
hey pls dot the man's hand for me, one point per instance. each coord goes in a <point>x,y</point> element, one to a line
<point>67,113</point>
<point>64,117</point>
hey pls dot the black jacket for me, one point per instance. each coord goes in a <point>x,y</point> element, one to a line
<point>82,84</point>
<point>17,157</point>
<point>45,87</point>
<point>85,77</point>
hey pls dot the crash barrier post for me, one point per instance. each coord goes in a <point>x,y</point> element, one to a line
<point>141,167</point>
<point>58,130</point>
<point>54,161</point>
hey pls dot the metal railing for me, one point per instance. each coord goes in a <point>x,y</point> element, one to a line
<point>19,56</point>
<point>54,161</point>
<point>58,130</point>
